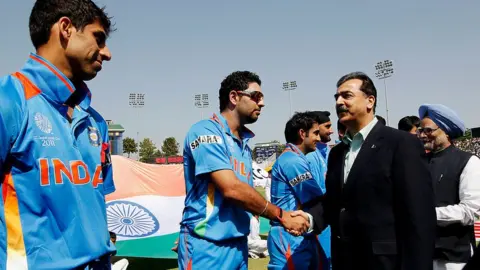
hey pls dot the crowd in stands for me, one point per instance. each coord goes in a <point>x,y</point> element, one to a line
<point>471,145</point>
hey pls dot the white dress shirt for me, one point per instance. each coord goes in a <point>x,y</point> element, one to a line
<point>355,144</point>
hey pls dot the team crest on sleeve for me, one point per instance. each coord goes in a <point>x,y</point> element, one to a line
<point>205,139</point>
<point>300,178</point>
<point>94,136</point>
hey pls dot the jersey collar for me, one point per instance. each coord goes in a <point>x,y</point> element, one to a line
<point>246,134</point>
<point>53,83</point>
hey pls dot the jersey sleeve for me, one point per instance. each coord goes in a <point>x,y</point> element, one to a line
<point>314,163</point>
<point>11,115</point>
<point>106,161</point>
<point>206,145</point>
<point>301,179</point>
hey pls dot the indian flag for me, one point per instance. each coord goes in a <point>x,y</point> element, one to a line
<point>146,208</point>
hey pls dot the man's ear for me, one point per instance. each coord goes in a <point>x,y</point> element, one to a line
<point>302,134</point>
<point>65,28</point>
<point>371,102</point>
<point>233,97</point>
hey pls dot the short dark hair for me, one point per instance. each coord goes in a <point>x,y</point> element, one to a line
<point>367,87</point>
<point>300,120</point>
<point>238,80</point>
<point>323,116</point>
<point>46,13</point>
<point>113,235</point>
<point>408,122</point>
<point>381,120</point>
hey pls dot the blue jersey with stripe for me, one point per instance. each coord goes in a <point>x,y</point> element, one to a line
<point>293,182</point>
<point>210,146</point>
<point>55,173</point>
<point>318,160</point>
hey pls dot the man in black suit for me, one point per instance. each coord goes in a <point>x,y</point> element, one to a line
<point>379,200</point>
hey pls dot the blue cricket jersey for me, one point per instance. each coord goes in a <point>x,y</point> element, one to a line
<point>210,146</point>
<point>293,182</point>
<point>318,160</point>
<point>55,173</point>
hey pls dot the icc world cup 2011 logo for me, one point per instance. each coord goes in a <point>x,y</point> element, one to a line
<point>43,123</point>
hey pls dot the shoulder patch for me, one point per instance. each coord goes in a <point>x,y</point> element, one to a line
<point>300,178</point>
<point>205,139</point>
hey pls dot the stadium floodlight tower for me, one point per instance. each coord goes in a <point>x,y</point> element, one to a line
<point>290,86</point>
<point>384,70</point>
<point>201,102</point>
<point>137,101</point>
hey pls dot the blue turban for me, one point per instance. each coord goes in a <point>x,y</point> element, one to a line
<point>446,119</point>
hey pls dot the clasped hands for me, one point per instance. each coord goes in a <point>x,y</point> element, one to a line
<point>296,222</point>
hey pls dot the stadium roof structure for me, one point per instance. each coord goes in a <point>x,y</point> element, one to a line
<point>114,127</point>
<point>266,144</point>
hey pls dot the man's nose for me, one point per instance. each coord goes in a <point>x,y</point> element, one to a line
<point>261,103</point>
<point>106,54</point>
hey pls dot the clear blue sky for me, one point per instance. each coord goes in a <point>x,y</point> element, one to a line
<point>172,50</point>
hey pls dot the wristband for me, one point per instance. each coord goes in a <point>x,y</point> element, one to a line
<point>280,215</point>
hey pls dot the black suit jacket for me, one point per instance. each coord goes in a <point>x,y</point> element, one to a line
<point>383,217</point>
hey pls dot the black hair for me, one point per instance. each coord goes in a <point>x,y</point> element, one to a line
<point>113,235</point>
<point>238,80</point>
<point>323,116</point>
<point>408,122</point>
<point>300,120</point>
<point>381,120</point>
<point>367,87</point>
<point>46,13</point>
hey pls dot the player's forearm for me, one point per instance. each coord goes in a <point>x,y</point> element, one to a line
<point>247,197</point>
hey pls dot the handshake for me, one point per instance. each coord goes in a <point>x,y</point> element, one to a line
<point>296,222</point>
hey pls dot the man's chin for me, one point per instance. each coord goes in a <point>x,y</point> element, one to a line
<point>251,120</point>
<point>428,146</point>
<point>89,76</point>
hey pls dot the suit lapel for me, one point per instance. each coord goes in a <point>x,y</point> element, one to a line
<point>369,147</point>
<point>344,151</point>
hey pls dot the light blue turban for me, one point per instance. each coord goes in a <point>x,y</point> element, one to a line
<point>446,119</point>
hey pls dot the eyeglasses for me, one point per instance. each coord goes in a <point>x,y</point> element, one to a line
<point>426,130</point>
<point>255,96</point>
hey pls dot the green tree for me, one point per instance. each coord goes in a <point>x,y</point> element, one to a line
<point>170,147</point>
<point>468,135</point>
<point>129,146</point>
<point>147,151</point>
<point>158,153</point>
